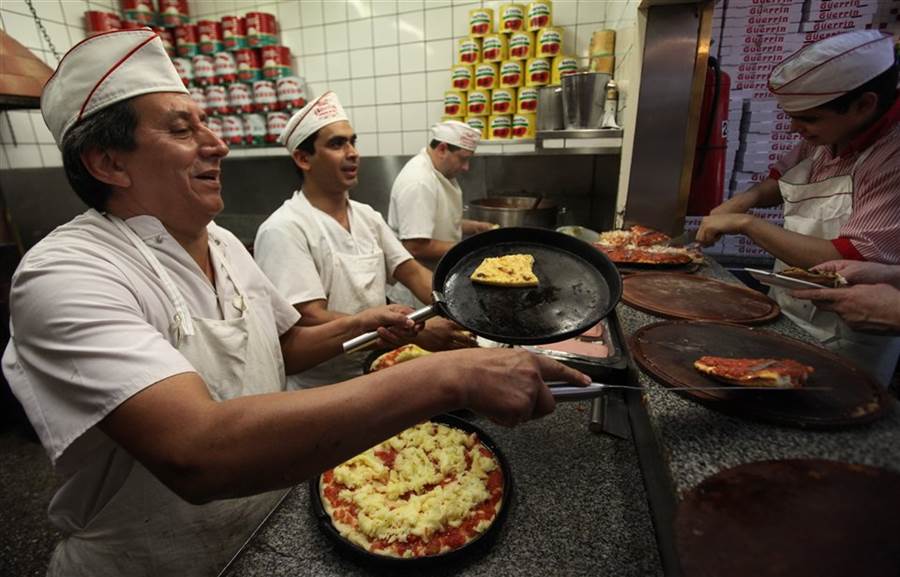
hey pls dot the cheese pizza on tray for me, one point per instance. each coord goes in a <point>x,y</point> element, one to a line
<point>642,245</point>
<point>428,490</point>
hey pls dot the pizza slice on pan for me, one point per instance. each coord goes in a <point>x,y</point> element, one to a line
<point>511,270</point>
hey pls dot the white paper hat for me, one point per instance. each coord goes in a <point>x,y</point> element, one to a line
<point>322,111</point>
<point>825,70</point>
<point>456,133</point>
<point>102,70</point>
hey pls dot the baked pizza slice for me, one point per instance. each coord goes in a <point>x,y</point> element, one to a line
<point>644,236</point>
<point>398,355</point>
<point>826,279</point>
<point>775,373</point>
<point>511,270</point>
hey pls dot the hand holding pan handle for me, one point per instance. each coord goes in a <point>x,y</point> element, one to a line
<point>365,339</point>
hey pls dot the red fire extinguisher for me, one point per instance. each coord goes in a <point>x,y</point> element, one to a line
<point>708,178</point>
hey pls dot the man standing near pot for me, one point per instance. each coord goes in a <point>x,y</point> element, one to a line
<point>426,200</point>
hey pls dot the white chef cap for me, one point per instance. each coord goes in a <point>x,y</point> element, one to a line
<point>456,133</point>
<point>104,69</point>
<point>825,70</point>
<point>322,111</point>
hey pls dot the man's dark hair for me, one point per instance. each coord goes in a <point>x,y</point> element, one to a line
<point>451,147</point>
<point>309,147</point>
<point>112,128</point>
<point>884,85</point>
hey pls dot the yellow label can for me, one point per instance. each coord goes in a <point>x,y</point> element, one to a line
<point>511,18</point>
<point>461,76</point>
<point>486,76</point>
<point>521,45</point>
<point>493,48</point>
<point>479,103</point>
<point>527,100</point>
<point>563,66</point>
<point>468,50</point>
<point>537,72</point>
<point>548,42</point>
<point>481,22</point>
<point>512,74</point>
<point>499,127</point>
<point>503,101</point>
<point>454,103</point>
<point>540,15</point>
<point>478,123</point>
<point>523,126</point>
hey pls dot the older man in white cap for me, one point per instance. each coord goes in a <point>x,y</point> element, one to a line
<point>426,200</point>
<point>840,187</point>
<point>331,256</point>
<point>149,350</point>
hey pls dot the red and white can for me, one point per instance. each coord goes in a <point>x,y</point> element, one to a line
<point>97,21</point>
<point>185,69</point>
<point>225,67</point>
<point>168,39</point>
<point>234,33</point>
<point>240,97</point>
<point>138,11</point>
<point>291,91</point>
<point>233,130</point>
<point>214,123</point>
<point>186,40</point>
<point>273,61</point>
<point>173,13</point>
<point>261,29</point>
<point>209,33</point>
<point>204,69</point>
<point>248,65</point>
<point>198,95</point>
<point>275,123</point>
<point>254,129</point>
<point>217,100</point>
<point>265,99</point>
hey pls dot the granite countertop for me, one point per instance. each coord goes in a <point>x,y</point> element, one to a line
<point>696,442</point>
<point>579,508</point>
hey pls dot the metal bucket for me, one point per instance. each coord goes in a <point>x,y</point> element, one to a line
<point>583,96</point>
<point>549,108</point>
<point>515,211</point>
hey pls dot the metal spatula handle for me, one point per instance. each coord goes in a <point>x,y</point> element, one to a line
<point>365,339</point>
<point>563,391</point>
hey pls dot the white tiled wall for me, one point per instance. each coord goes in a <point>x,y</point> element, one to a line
<point>388,60</point>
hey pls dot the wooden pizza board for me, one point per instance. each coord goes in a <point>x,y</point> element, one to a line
<point>791,518</point>
<point>684,296</point>
<point>668,349</point>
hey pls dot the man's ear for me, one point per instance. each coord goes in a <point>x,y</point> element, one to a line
<point>301,158</point>
<point>106,166</point>
<point>866,104</point>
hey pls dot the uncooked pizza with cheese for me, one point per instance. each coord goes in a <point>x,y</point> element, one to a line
<point>776,373</point>
<point>428,490</point>
<point>511,270</point>
<point>398,355</point>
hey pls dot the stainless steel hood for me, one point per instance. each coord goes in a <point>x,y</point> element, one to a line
<point>22,75</point>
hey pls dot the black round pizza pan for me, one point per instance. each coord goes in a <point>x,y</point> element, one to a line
<point>469,551</point>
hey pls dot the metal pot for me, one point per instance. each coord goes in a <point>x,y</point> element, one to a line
<point>549,108</point>
<point>583,96</point>
<point>515,211</point>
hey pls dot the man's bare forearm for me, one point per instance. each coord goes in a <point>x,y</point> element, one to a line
<point>795,249</point>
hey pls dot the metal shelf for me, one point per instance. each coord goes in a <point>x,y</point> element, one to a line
<point>579,133</point>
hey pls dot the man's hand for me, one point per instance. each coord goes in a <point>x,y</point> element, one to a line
<point>873,308</point>
<point>441,334</point>
<point>860,272</point>
<point>391,321</point>
<point>507,385</point>
<point>476,226</point>
<point>714,226</point>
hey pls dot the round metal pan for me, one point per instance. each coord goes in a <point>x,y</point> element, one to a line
<point>578,286</point>
<point>469,551</point>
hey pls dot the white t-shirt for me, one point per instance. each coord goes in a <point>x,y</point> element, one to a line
<point>291,250</point>
<point>91,327</point>
<point>424,203</point>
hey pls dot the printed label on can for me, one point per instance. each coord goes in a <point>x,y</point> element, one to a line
<point>254,129</point>
<point>512,17</point>
<point>480,21</point>
<point>523,126</point>
<point>217,100</point>
<point>500,127</point>
<point>461,77</point>
<point>478,103</point>
<point>538,15</point>
<point>234,33</point>
<point>173,13</point>
<point>204,69</point>
<point>185,70</point>
<point>214,123</point>
<point>468,50</point>
<point>486,75</point>
<point>140,11</point>
<point>454,103</point>
<point>493,48</point>
<point>260,29</point>
<point>291,92</point>
<point>198,95</point>
<point>479,124</point>
<point>248,65</point>
<point>520,45</point>
<point>528,100</point>
<point>502,100</point>
<point>240,97</point>
<point>549,42</point>
<point>233,129</point>
<point>275,123</point>
<point>265,99</point>
<point>538,72</point>
<point>563,66</point>
<point>225,67</point>
<point>186,40</point>
<point>210,36</point>
<point>511,74</point>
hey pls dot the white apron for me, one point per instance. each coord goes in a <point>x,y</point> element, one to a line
<point>819,210</point>
<point>146,529</point>
<point>357,283</point>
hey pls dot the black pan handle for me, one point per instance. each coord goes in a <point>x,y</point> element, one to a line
<point>365,339</point>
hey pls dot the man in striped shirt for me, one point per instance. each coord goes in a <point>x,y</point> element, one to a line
<point>840,187</point>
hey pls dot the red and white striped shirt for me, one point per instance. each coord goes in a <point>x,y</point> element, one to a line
<point>873,231</point>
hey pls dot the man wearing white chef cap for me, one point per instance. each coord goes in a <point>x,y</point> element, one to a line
<point>331,256</point>
<point>426,201</point>
<point>840,187</point>
<point>149,351</point>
